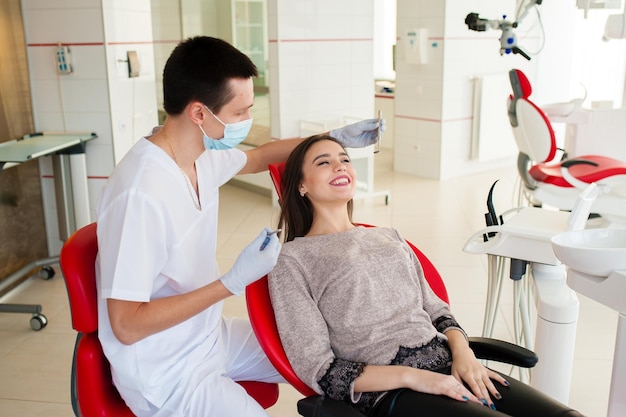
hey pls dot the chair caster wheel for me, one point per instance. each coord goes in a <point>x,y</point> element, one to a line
<point>38,322</point>
<point>46,273</point>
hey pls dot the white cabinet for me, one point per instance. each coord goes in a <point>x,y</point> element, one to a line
<point>250,35</point>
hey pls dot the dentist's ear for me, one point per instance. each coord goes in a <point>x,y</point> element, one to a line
<point>195,111</point>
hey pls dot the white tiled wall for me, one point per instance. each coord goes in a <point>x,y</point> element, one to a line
<point>98,34</point>
<point>321,62</point>
<point>436,98</point>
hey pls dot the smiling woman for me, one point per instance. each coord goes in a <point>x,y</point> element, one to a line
<point>356,316</point>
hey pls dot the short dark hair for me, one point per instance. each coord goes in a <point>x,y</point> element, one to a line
<point>296,215</point>
<point>200,68</point>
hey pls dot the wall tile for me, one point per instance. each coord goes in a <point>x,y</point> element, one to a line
<point>123,5</point>
<point>45,95</point>
<point>127,26</point>
<point>28,5</point>
<point>99,158</point>
<point>66,25</point>
<point>49,121</point>
<point>84,96</point>
<point>42,63</point>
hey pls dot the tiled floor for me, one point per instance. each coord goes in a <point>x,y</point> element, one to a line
<point>437,216</point>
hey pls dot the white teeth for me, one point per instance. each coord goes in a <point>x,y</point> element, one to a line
<point>340,181</point>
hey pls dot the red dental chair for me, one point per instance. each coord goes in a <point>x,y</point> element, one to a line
<point>547,180</point>
<point>92,390</point>
<point>313,405</point>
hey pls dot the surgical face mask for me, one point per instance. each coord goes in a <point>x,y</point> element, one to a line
<point>234,134</point>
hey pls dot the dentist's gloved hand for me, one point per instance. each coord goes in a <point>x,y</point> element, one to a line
<point>252,263</point>
<point>359,134</point>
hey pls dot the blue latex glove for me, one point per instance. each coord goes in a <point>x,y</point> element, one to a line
<point>252,263</point>
<point>359,134</point>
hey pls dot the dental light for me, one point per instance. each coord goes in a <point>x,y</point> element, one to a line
<point>508,39</point>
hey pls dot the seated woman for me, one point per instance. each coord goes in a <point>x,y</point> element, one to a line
<point>358,320</point>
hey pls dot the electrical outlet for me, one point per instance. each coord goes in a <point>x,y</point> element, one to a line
<point>63,60</point>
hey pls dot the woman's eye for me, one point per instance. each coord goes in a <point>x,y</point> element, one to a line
<point>322,163</point>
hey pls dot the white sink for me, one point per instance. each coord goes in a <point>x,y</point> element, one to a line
<point>592,251</point>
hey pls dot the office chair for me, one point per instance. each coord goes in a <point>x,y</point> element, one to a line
<point>313,405</point>
<point>548,180</point>
<point>92,390</point>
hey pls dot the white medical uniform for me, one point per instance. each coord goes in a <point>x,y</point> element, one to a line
<point>154,243</point>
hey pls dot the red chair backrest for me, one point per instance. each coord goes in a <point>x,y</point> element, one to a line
<point>78,263</point>
<point>276,174</point>
<point>262,316</point>
<point>96,395</point>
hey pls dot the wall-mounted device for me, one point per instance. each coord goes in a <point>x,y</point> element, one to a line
<point>134,67</point>
<point>415,46</point>
<point>598,4</point>
<point>615,27</point>
<point>63,60</point>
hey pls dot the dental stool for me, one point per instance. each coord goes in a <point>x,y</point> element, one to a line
<point>92,391</point>
<point>557,183</point>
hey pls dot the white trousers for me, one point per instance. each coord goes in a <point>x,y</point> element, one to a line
<point>214,392</point>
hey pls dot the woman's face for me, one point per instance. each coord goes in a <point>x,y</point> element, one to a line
<point>327,173</point>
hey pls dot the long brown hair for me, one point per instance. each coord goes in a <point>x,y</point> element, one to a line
<point>296,215</point>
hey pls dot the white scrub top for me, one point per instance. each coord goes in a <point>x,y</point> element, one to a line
<point>154,243</point>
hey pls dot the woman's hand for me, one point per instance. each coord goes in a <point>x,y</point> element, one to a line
<point>430,382</point>
<point>389,377</point>
<point>466,368</point>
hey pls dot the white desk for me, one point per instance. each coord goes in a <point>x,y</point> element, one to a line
<point>70,176</point>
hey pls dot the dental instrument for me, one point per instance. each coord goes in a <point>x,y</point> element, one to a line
<point>268,237</point>
<point>380,131</point>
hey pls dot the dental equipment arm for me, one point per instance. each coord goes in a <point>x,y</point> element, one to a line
<point>508,39</point>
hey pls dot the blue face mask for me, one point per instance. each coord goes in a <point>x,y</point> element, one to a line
<point>234,134</point>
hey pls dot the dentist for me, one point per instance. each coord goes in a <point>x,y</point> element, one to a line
<point>160,291</point>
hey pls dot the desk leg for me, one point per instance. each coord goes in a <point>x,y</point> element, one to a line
<point>64,197</point>
<point>72,194</point>
<point>80,190</point>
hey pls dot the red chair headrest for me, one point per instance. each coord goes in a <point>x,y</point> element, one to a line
<point>276,173</point>
<point>520,84</point>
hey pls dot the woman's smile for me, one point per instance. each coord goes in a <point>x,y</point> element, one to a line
<point>341,180</point>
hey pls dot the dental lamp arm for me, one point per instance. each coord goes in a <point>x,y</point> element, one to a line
<point>508,39</point>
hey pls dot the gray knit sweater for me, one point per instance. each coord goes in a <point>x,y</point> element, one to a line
<point>349,299</point>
